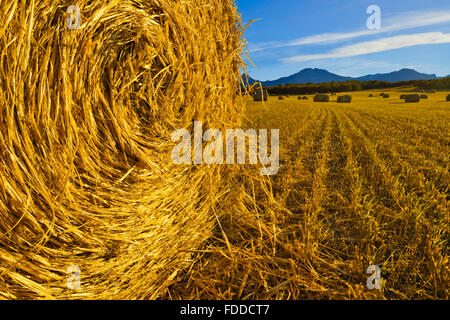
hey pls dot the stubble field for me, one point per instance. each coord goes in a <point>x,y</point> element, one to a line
<point>366,183</point>
<point>360,184</point>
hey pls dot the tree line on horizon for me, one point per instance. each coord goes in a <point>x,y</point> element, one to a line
<point>353,85</point>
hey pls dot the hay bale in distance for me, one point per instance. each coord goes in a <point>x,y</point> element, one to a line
<point>305,98</point>
<point>386,96</point>
<point>260,94</point>
<point>423,96</point>
<point>402,97</point>
<point>412,98</point>
<point>448,98</point>
<point>321,98</point>
<point>370,95</point>
<point>344,99</point>
<point>280,98</point>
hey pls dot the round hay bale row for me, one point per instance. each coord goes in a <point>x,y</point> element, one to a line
<point>344,99</point>
<point>321,98</point>
<point>412,98</point>
<point>86,176</point>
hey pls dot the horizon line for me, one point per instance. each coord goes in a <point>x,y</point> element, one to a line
<point>355,77</point>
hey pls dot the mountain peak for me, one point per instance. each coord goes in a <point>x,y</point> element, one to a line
<point>307,75</point>
<point>404,74</point>
<point>314,70</point>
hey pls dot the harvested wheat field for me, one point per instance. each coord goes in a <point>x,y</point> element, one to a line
<point>88,187</point>
<point>360,184</point>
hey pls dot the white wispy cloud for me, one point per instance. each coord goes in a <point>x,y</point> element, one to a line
<point>379,45</point>
<point>403,21</point>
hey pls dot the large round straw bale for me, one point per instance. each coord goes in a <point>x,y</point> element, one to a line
<point>321,98</point>
<point>86,117</point>
<point>411,98</point>
<point>344,99</point>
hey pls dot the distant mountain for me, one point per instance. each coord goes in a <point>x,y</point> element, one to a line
<point>247,80</point>
<point>306,76</point>
<point>396,76</point>
<point>320,76</point>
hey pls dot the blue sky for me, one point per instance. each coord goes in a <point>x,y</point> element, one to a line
<point>332,34</point>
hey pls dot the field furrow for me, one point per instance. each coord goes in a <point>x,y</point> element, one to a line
<point>366,184</point>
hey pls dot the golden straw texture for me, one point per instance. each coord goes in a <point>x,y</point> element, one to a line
<point>86,116</point>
